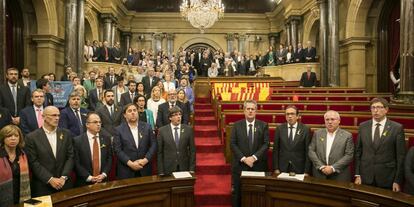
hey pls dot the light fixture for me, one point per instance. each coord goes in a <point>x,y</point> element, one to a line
<point>202,14</point>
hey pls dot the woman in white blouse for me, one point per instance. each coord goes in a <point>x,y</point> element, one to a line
<point>168,83</point>
<point>155,101</point>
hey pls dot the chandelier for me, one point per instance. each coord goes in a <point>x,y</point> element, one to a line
<point>202,14</point>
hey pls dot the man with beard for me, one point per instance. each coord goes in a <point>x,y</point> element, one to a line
<point>110,113</point>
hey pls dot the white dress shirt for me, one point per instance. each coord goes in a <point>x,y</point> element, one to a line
<point>329,141</point>
<point>51,137</point>
<point>294,129</point>
<point>381,127</point>
<point>247,130</point>
<point>134,131</point>
<point>173,130</point>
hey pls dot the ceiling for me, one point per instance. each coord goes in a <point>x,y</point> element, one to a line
<point>231,6</point>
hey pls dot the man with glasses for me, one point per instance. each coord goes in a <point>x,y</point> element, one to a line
<point>291,144</point>
<point>50,154</point>
<point>73,117</point>
<point>92,147</point>
<point>332,150</point>
<point>380,150</point>
<point>249,143</point>
<point>163,110</point>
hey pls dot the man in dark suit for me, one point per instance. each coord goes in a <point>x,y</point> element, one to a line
<point>281,55</point>
<point>134,144</point>
<point>110,113</point>
<point>176,148</point>
<point>111,79</point>
<point>291,144</point>
<point>44,85</point>
<point>105,54</point>
<point>299,55</point>
<point>308,78</point>
<point>116,53</point>
<point>242,66</point>
<point>249,143</point>
<point>31,116</point>
<point>50,154</point>
<point>332,150</point>
<point>380,150</point>
<point>5,117</point>
<point>93,153</point>
<point>13,96</point>
<point>128,97</point>
<point>310,52</point>
<point>73,117</point>
<point>67,75</point>
<point>150,80</point>
<point>96,94</point>
<point>163,115</point>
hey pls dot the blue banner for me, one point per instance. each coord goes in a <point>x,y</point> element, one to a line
<point>60,91</point>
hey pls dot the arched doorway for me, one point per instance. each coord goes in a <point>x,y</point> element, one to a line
<point>14,35</point>
<point>200,47</point>
<point>388,44</point>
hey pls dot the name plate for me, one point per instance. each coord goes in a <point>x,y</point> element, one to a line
<point>286,176</point>
<point>253,174</point>
<point>184,174</point>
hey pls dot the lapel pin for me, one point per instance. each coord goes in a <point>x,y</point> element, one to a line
<point>385,133</point>
<point>298,132</point>
<point>61,137</point>
<point>103,146</point>
<point>322,138</point>
<point>182,130</point>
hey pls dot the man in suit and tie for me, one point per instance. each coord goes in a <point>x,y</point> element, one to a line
<point>25,80</point>
<point>110,113</point>
<point>93,152</point>
<point>176,148</point>
<point>31,117</point>
<point>50,154</point>
<point>43,84</point>
<point>13,96</point>
<point>299,56</point>
<point>308,78</point>
<point>163,115</point>
<point>149,80</point>
<point>105,54</point>
<point>249,143</point>
<point>332,150</point>
<point>380,150</point>
<point>111,79</point>
<point>96,94</point>
<point>129,96</point>
<point>310,52</point>
<point>67,75</point>
<point>73,117</point>
<point>134,144</point>
<point>291,144</point>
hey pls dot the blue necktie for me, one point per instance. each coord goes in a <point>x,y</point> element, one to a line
<point>176,138</point>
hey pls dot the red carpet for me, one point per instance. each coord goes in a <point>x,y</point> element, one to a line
<point>213,184</point>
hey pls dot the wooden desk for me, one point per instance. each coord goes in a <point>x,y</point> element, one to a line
<point>291,72</point>
<point>313,192</point>
<point>150,191</point>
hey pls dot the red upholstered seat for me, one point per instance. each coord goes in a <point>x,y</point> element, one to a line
<point>312,119</point>
<point>341,107</point>
<point>231,106</point>
<point>317,107</point>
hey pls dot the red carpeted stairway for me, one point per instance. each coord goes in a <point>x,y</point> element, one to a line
<point>213,184</point>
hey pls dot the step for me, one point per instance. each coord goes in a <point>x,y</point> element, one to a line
<point>203,106</point>
<point>212,164</point>
<point>213,190</point>
<point>205,120</point>
<point>205,132</point>
<point>199,136</point>
<point>208,145</point>
<point>213,205</point>
<point>204,112</point>
<point>202,100</point>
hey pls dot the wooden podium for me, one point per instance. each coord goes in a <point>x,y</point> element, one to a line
<point>312,192</point>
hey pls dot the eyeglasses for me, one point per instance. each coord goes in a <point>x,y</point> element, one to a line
<point>377,107</point>
<point>53,115</point>
<point>95,122</point>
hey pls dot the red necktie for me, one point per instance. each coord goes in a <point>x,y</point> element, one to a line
<point>95,157</point>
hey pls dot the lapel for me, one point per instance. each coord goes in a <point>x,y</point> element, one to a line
<point>59,142</point>
<point>85,143</point>
<point>131,137</point>
<point>181,132</point>
<point>297,135</point>
<point>336,141</point>
<point>244,132</point>
<point>102,148</point>
<point>171,137</point>
<point>385,132</point>
<point>369,135</point>
<point>323,137</point>
<point>45,142</point>
<point>140,132</point>
<point>33,117</point>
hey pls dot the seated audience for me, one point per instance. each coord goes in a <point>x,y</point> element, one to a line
<point>14,167</point>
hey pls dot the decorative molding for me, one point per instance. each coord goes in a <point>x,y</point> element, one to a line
<point>354,40</point>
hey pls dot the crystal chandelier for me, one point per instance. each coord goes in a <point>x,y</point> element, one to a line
<point>202,14</point>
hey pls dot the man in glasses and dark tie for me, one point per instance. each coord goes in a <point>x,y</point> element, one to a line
<point>380,150</point>
<point>249,143</point>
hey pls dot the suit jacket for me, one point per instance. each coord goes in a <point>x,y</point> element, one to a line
<point>101,56</point>
<point>48,100</point>
<point>299,55</point>
<point>68,120</point>
<point>242,67</point>
<point>310,53</point>
<point>409,172</point>
<point>239,144</point>
<point>94,101</point>
<point>5,117</point>
<point>163,112</point>
<point>169,157</point>
<point>384,165</point>
<point>6,98</point>
<point>83,157</point>
<point>146,82</point>
<point>125,148</point>
<point>281,54</point>
<point>305,82</point>
<point>28,120</point>
<point>296,152</point>
<point>109,123</point>
<point>126,98</point>
<point>44,165</point>
<point>107,82</point>
<point>340,156</point>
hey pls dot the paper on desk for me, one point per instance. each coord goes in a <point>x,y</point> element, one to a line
<point>286,176</point>
<point>46,202</point>
<point>253,173</point>
<point>184,174</point>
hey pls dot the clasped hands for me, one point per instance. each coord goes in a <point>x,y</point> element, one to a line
<point>57,183</point>
<point>137,164</point>
<point>327,169</point>
<point>249,161</point>
<point>98,178</point>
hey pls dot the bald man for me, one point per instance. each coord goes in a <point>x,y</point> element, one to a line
<point>50,155</point>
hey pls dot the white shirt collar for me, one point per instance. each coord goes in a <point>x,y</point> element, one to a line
<point>10,85</point>
<point>35,108</point>
<point>334,133</point>
<point>90,135</point>
<point>173,126</point>
<point>295,126</point>
<point>247,122</point>
<point>374,123</point>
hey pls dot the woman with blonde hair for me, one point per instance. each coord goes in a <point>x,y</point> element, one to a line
<point>155,101</point>
<point>82,92</point>
<point>14,167</point>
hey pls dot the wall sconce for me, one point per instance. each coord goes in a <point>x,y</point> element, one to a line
<point>257,38</point>
<point>141,37</point>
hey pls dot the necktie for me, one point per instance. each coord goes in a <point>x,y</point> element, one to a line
<point>377,136</point>
<point>79,120</point>
<point>250,136</point>
<point>132,97</point>
<point>176,137</point>
<point>290,137</point>
<point>172,105</point>
<point>14,93</point>
<point>93,83</point>
<point>112,112</point>
<point>308,75</point>
<point>112,79</point>
<point>95,157</point>
<point>39,118</point>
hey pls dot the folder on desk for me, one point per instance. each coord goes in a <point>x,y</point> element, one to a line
<point>252,173</point>
<point>286,176</point>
